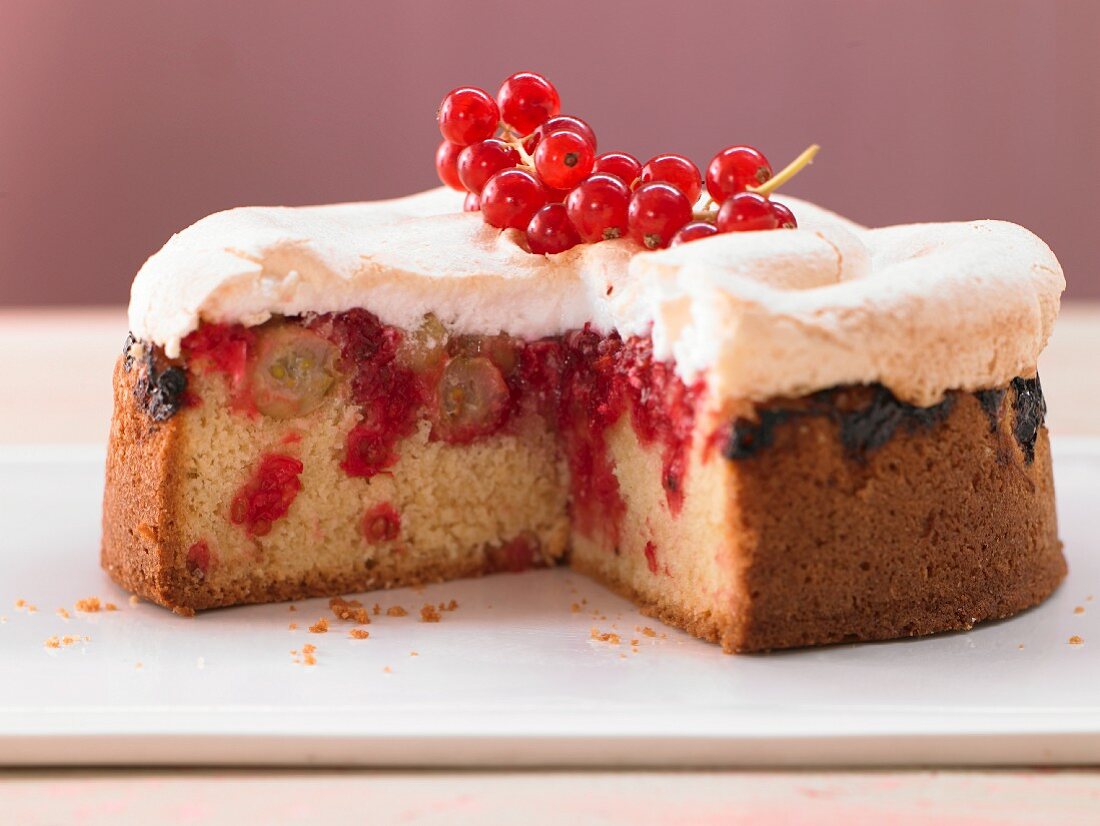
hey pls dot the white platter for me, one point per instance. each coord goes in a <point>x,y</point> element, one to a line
<point>512,677</point>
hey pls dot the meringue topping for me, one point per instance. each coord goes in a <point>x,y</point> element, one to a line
<point>920,308</point>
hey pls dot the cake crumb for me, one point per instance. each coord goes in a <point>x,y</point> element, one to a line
<point>134,599</point>
<point>606,636</point>
<point>634,643</point>
<point>67,640</point>
<point>1076,640</point>
<point>1088,598</point>
<point>26,606</point>
<point>61,612</point>
<point>429,613</point>
<point>292,607</point>
<point>293,626</point>
<point>649,632</point>
<point>110,606</point>
<point>319,627</point>
<point>139,664</point>
<point>575,608</point>
<point>349,609</point>
<point>452,605</point>
<point>359,633</point>
<point>88,606</point>
<point>396,611</point>
<point>387,670</point>
<point>307,654</point>
<point>1080,609</point>
<point>414,653</point>
<point>377,609</point>
<point>1020,646</point>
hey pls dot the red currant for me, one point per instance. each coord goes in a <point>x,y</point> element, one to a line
<point>511,198</point>
<point>693,231</point>
<point>622,165</point>
<point>676,170</point>
<point>446,164</point>
<point>734,170</point>
<point>657,212</point>
<point>527,100</point>
<point>468,115</point>
<point>472,202</point>
<point>567,122</point>
<point>784,216</point>
<point>550,231</point>
<point>746,211</point>
<point>564,159</point>
<point>480,161</point>
<point>598,208</point>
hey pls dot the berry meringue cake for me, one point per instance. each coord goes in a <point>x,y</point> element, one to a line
<point>768,439</point>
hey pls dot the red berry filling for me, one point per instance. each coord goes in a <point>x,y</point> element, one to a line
<point>223,348</point>
<point>381,523</point>
<point>267,496</point>
<point>651,557</point>
<point>199,559</point>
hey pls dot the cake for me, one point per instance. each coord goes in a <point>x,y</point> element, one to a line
<point>769,439</point>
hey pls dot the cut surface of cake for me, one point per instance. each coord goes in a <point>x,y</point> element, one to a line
<point>768,439</point>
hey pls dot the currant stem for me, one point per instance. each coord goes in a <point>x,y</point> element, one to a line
<point>788,172</point>
<point>516,142</point>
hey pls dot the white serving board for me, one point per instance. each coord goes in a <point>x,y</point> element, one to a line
<point>512,677</point>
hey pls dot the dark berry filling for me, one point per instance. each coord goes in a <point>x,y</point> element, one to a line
<point>868,417</point>
<point>160,388</point>
<point>1031,410</point>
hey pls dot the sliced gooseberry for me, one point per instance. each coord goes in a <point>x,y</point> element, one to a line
<point>502,350</point>
<point>423,349</point>
<point>292,371</point>
<point>472,399</point>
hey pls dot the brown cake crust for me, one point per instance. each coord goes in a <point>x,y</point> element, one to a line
<point>939,528</point>
<point>140,535</point>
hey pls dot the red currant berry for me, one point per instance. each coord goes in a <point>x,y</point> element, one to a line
<point>564,159</point>
<point>480,161</point>
<point>693,231</point>
<point>622,165</point>
<point>468,115</point>
<point>784,216</point>
<point>658,210</point>
<point>446,164</point>
<point>511,198</point>
<point>550,231</point>
<point>746,211</point>
<point>598,208</point>
<point>472,202</point>
<point>527,100</point>
<point>557,123</point>
<point>676,170</point>
<point>734,170</point>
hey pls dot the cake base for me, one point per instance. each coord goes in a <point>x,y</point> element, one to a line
<point>841,516</point>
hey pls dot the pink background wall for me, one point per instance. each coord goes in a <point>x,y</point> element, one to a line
<point>121,121</point>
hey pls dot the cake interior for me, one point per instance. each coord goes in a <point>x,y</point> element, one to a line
<point>331,453</point>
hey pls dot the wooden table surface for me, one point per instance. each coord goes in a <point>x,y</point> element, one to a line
<point>55,371</point>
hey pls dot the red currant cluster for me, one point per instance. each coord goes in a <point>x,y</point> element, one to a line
<point>527,167</point>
